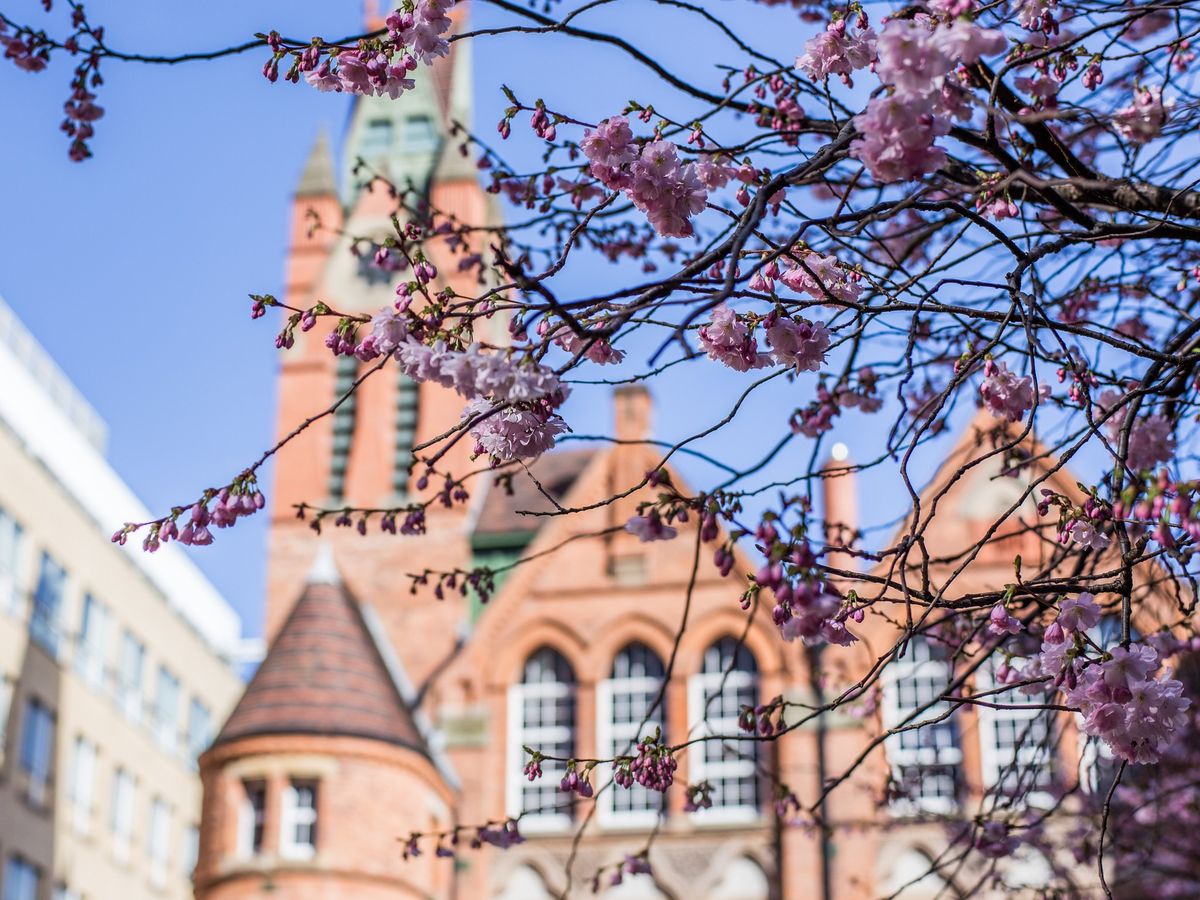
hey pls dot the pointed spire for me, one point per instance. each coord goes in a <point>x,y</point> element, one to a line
<point>324,567</point>
<point>318,179</point>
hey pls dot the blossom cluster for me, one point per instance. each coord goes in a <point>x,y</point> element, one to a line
<point>1142,120</point>
<point>1159,505</point>
<point>1120,698</point>
<point>594,349</point>
<point>24,51</point>
<point>808,272</point>
<point>799,344</point>
<point>916,59</point>
<point>650,527</point>
<point>1151,438</point>
<point>218,509</point>
<point>805,606</point>
<point>838,51</point>
<point>653,767</point>
<point>381,69</point>
<point>512,404</point>
<point>669,191</point>
<point>1008,395</point>
<point>817,417</point>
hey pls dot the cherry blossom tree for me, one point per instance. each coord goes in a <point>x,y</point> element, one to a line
<point>923,210</point>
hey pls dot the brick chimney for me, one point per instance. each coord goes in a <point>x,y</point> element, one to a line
<point>839,485</point>
<point>631,409</point>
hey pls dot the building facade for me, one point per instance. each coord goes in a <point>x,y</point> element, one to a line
<point>114,664</point>
<point>382,709</point>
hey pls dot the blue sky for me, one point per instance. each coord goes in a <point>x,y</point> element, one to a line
<point>133,267</point>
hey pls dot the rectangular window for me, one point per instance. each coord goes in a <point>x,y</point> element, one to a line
<point>926,761</point>
<point>83,770</point>
<point>129,677</point>
<point>298,822</point>
<point>91,651</point>
<point>122,814</point>
<point>44,625</point>
<point>37,750</point>
<point>199,733</point>
<point>252,818</point>
<point>191,850</point>
<point>166,710</point>
<point>65,892</point>
<point>22,879</point>
<point>158,841</point>
<point>377,138</point>
<point>420,135</point>
<point>10,558</point>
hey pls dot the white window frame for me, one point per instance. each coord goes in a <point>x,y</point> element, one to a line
<point>900,757</point>
<point>91,647</point>
<point>123,800</point>
<point>519,737</point>
<point>249,817</point>
<point>158,842</point>
<point>994,760</point>
<point>130,693</point>
<point>83,780</point>
<point>199,729</point>
<point>614,739</point>
<point>12,541</point>
<point>292,815</point>
<point>166,709</point>
<point>700,725</point>
<point>190,855</point>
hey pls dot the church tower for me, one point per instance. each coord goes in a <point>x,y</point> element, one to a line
<point>361,454</point>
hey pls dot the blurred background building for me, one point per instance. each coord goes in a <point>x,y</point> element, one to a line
<point>115,665</point>
<point>383,709</point>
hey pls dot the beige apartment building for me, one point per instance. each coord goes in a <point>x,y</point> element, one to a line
<point>115,665</point>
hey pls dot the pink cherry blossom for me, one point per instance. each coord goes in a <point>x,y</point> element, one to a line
<point>650,527</point>
<point>798,343</point>
<point>727,339</point>
<point>1143,120</point>
<point>1086,534</point>
<point>1151,438</point>
<point>610,144</point>
<point>1007,395</point>
<point>837,51</point>
<point>1000,622</point>
<point>1079,614</point>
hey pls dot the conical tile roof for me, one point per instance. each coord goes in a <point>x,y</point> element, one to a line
<point>323,674</point>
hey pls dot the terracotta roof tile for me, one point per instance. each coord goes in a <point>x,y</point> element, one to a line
<point>323,675</point>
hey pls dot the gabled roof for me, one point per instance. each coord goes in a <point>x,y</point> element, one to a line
<point>556,472</point>
<point>323,674</point>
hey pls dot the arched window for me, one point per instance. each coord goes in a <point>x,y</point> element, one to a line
<point>541,715</point>
<point>926,761</point>
<point>727,681</point>
<point>623,709</point>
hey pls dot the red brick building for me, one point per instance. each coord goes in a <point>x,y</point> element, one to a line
<point>380,711</point>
